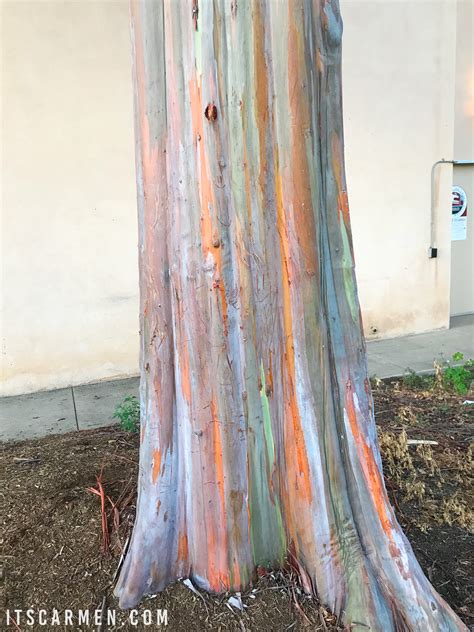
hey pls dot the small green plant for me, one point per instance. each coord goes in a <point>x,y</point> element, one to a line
<point>459,378</point>
<point>128,414</point>
<point>446,376</point>
<point>414,380</point>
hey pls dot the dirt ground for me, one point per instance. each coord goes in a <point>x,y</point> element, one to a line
<point>51,545</point>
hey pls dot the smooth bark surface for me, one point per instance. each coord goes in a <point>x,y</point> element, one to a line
<point>258,434</point>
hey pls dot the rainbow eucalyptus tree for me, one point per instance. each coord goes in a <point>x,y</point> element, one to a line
<point>258,438</point>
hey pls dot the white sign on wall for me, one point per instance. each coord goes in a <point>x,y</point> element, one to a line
<point>458,214</point>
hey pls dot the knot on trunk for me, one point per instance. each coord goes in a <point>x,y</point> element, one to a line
<point>210,112</point>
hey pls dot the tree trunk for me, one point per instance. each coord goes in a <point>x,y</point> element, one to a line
<point>258,438</point>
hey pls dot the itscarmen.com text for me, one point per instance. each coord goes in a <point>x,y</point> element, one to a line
<point>15,618</point>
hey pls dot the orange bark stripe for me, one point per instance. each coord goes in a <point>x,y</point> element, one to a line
<point>185,376</point>
<point>261,94</point>
<point>218,456</point>
<point>303,474</point>
<point>183,355</point>
<point>223,299</point>
<point>337,161</point>
<point>205,187</point>
<point>156,465</point>
<point>206,194</point>
<point>269,377</point>
<point>300,179</point>
<point>217,533</point>
<point>182,547</point>
<point>236,578</point>
<point>343,205</point>
<point>369,466</point>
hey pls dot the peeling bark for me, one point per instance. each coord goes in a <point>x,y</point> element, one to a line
<point>258,433</point>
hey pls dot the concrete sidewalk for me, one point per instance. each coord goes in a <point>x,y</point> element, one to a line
<point>92,405</point>
<point>391,357</point>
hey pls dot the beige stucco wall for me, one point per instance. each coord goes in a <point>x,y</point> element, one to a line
<point>69,272</point>
<point>69,263</point>
<point>462,268</point>
<point>398,74</point>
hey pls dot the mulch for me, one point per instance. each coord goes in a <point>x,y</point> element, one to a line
<point>52,553</point>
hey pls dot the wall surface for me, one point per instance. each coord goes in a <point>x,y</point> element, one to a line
<point>462,266</point>
<point>69,261</point>
<point>69,264</point>
<point>398,80</point>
